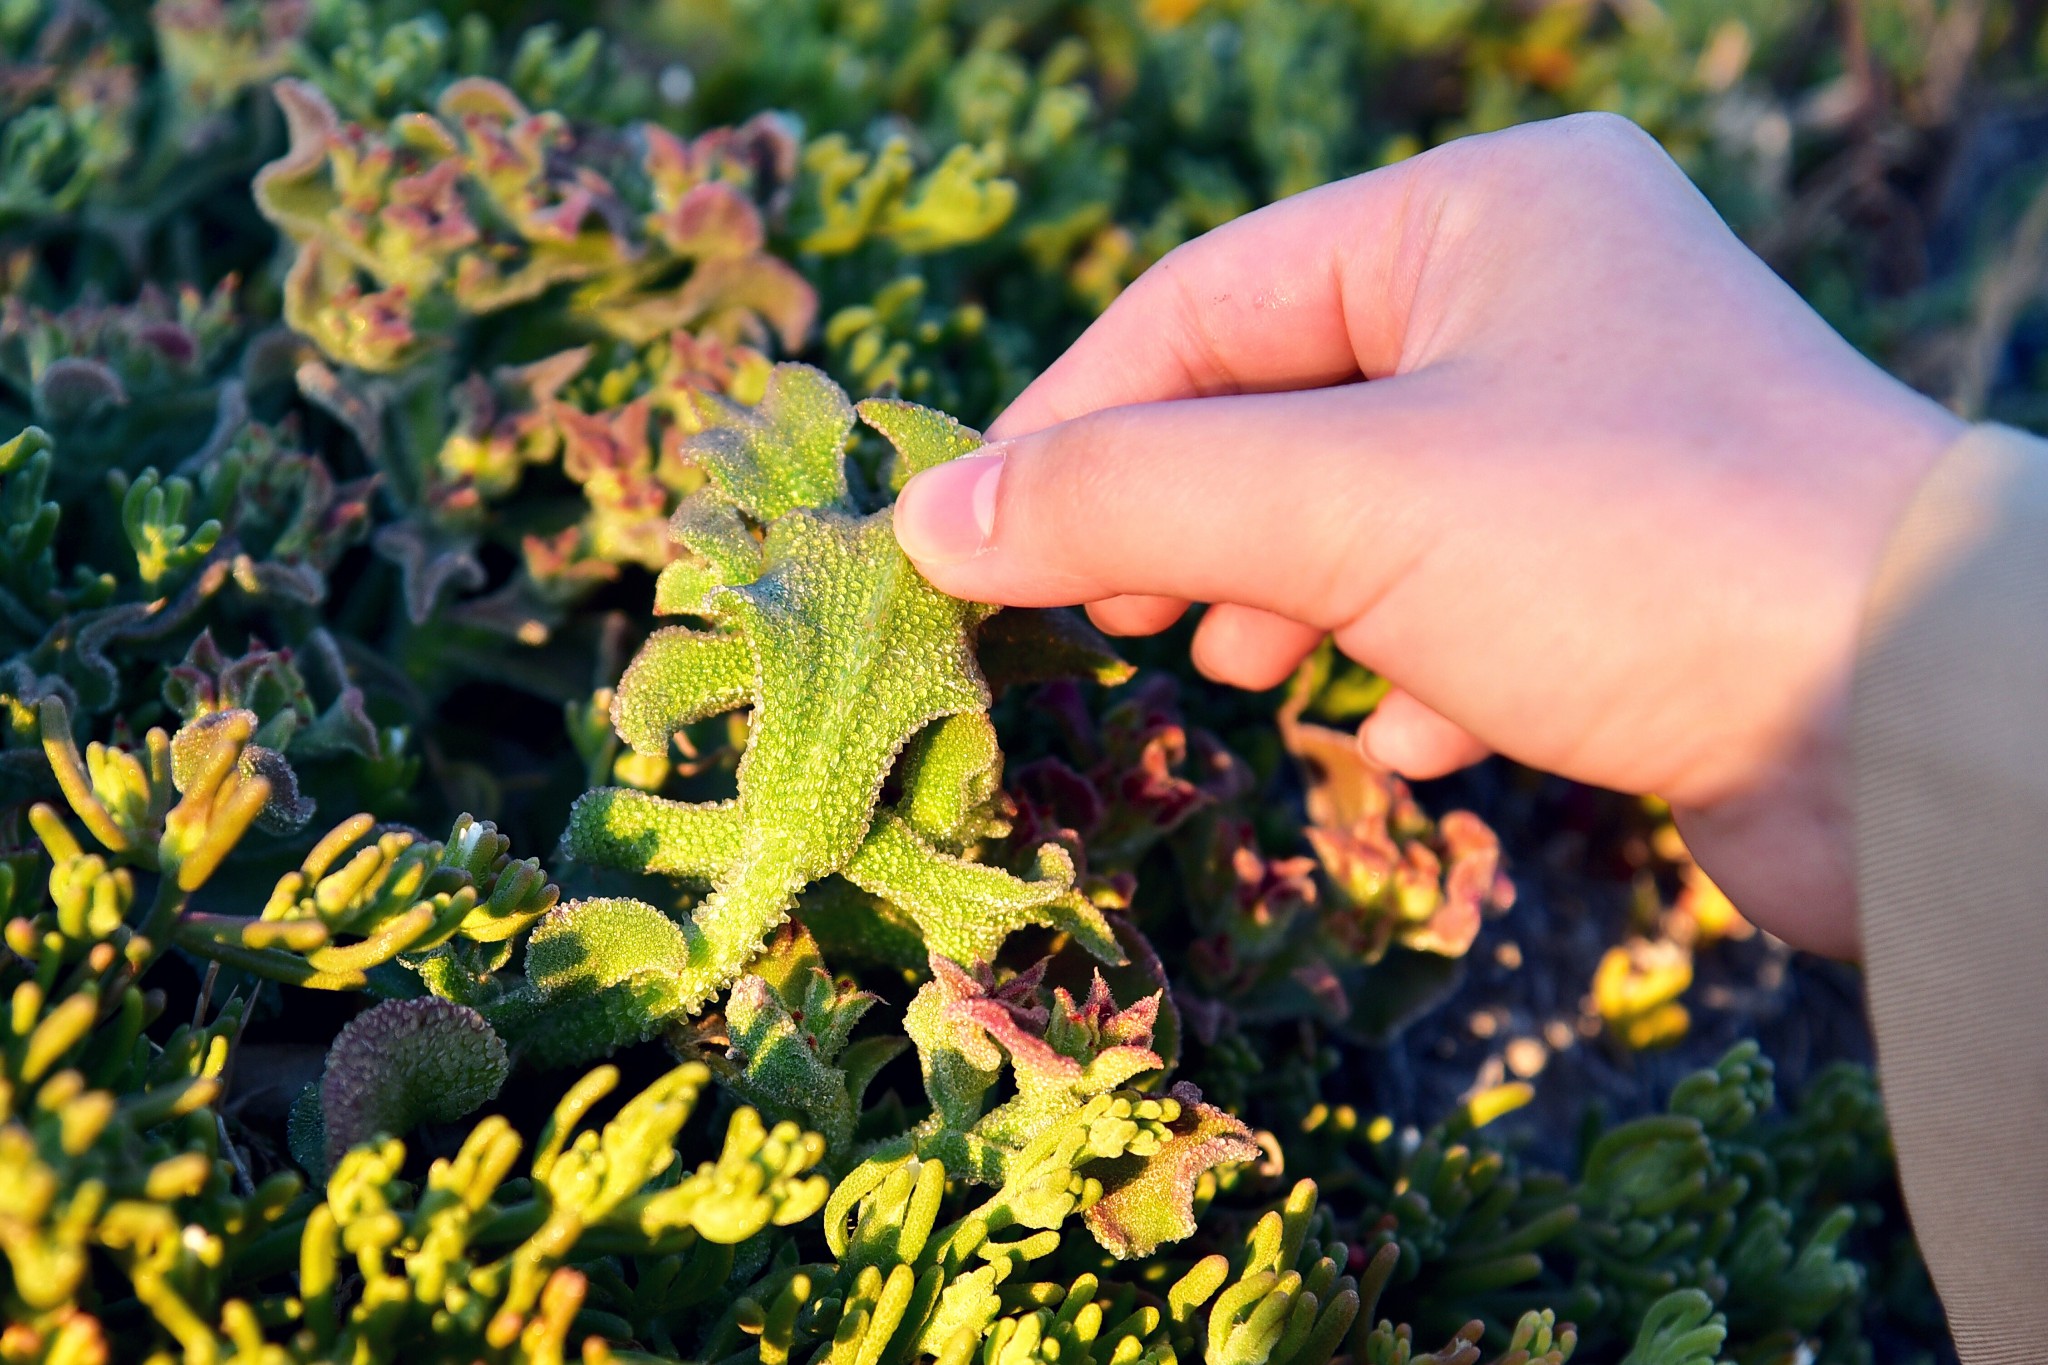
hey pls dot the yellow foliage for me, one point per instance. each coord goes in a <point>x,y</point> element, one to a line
<point>1636,989</point>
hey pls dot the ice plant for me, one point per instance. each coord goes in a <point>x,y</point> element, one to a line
<point>402,1063</point>
<point>404,234</point>
<point>847,660</point>
<point>915,982</point>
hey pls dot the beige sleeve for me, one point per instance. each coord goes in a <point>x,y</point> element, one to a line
<point>1951,762</point>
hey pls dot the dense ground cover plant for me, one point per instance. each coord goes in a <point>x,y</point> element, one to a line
<point>422,419</point>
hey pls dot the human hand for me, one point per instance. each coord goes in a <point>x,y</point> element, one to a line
<point>1607,502</point>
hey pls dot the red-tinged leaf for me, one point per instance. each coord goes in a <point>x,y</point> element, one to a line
<point>1149,1201</point>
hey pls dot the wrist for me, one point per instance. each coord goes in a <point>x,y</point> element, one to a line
<point>1778,836</point>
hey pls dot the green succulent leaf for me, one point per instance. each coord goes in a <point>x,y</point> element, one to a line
<point>949,773</point>
<point>785,452</point>
<point>966,909</point>
<point>406,1062</point>
<point>619,827</point>
<point>853,657</point>
<point>600,974</point>
<point>856,654</point>
<point>1681,1328</point>
<point>710,526</point>
<point>789,1023</point>
<point>680,675</point>
<point>922,437</point>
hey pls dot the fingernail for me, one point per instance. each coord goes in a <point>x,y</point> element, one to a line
<point>948,513</point>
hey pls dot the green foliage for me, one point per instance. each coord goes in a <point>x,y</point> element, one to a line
<point>469,1266</point>
<point>387,894</point>
<point>1688,1207</point>
<point>376,61</point>
<point>1286,1301</point>
<point>843,655</point>
<point>102,376</point>
<point>405,1062</point>
<point>599,974</point>
<point>376,364</point>
<point>1682,1329</point>
<point>790,1025</point>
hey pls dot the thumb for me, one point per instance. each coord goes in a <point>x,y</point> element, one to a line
<point>1278,501</point>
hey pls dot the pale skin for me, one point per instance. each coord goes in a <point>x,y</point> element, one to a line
<point>1521,425</point>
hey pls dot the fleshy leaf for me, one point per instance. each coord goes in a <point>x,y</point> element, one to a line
<point>1681,1328</point>
<point>922,436</point>
<point>405,1062</point>
<point>306,1131</point>
<point>1062,1056</point>
<point>684,588</point>
<point>785,452</point>
<point>1149,771</point>
<point>854,658</point>
<point>680,675</point>
<point>853,653</point>
<point>284,811</point>
<point>405,230</point>
<point>966,909</point>
<point>1398,876</point>
<point>788,1023</point>
<point>1149,1200</point>
<point>949,772</point>
<point>709,526</point>
<point>947,1021</point>
<point>856,653</point>
<point>621,828</point>
<point>601,974</point>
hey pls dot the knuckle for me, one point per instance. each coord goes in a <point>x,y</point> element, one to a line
<point>1559,147</point>
<point>1571,164</point>
<point>1604,133</point>
<point>1610,150</point>
<point>1618,146</point>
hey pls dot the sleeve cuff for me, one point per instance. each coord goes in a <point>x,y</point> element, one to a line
<point>1950,753</point>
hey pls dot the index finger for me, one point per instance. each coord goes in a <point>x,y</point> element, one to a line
<point>1311,291</point>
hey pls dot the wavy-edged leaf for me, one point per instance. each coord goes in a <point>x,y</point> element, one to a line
<point>684,588</point>
<point>601,974</point>
<point>711,527</point>
<point>680,675</point>
<point>856,653</point>
<point>785,452</point>
<point>922,437</point>
<point>950,769</point>
<point>966,909</point>
<point>1149,1200</point>
<point>853,657</point>
<point>788,1023</point>
<point>618,827</point>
